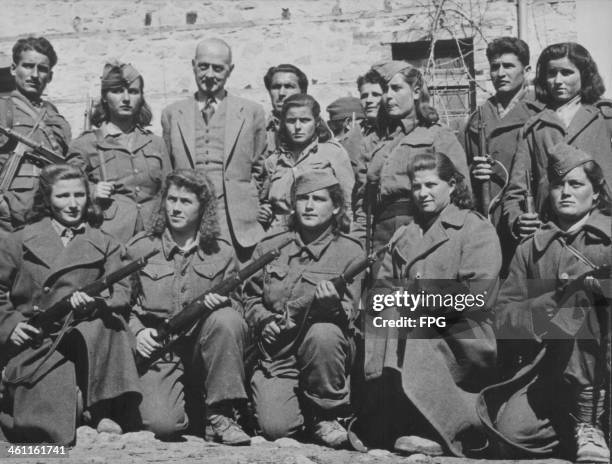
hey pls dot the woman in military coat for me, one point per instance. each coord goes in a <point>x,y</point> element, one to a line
<point>125,161</point>
<point>302,324</point>
<point>554,405</point>
<point>422,382</point>
<point>59,251</point>
<point>568,83</point>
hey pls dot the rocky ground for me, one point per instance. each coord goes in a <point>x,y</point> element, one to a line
<point>142,447</point>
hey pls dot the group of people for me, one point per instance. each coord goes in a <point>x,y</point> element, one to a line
<point>516,208</point>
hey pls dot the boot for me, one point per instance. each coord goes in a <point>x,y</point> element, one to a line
<point>222,428</point>
<point>591,445</point>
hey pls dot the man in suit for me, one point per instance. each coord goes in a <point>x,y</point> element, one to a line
<point>225,136</point>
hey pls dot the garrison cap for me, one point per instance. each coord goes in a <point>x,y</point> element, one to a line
<point>388,69</point>
<point>117,74</point>
<point>345,107</point>
<point>315,179</point>
<point>564,158</point>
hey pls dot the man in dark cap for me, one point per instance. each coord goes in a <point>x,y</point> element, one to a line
<point>225,136</point>
<point>24,110</point>
<point>281,82</point>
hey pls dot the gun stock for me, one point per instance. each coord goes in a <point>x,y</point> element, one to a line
<point>529,201</point>
<point>485,188</point>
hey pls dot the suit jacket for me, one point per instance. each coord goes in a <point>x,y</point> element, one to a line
<point>245,146</point>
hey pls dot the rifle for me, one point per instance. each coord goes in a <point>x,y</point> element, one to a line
<point>46,321</point>
<point>87,114</point>
<point>38,153</point>
<point>297,312</point>
<point>485,188</point>
<point>529,203</point>
<point>181,323</point>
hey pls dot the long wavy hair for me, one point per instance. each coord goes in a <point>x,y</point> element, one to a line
<point>194,181</point>
<point>49,176</point>
<point>592,86</point>
<point>340,221</point>
<point>596,177</point>
<point>322,132</point>
<point>101,114</point>
<point>446,170</point>
<point>425,113</point>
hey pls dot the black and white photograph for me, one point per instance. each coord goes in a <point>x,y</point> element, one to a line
<point>305,231</point>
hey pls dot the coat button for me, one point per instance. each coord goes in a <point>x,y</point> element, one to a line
<point>564,276</point>
<point>135,171</point>
<point>35,308</point>
<point>46,289</point>
<point>418,275</point>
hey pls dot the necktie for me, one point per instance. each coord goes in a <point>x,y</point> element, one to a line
<point>208,110</point>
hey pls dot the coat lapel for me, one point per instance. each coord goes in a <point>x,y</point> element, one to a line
<point>43,242</point>
<point>234,121</point>
<point>186,126</point>
<point>584,116</point>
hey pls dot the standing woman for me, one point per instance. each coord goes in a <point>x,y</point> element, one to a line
<point>422,382</point>
<point>554,406</point>
<point>302,378</point>
<point>406,104</point>
<point>305,143</point>
<point>59,251</point>
<point>126,162</point>
<point>568,83</point>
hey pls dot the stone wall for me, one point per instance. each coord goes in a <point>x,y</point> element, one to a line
<point>333,41</point>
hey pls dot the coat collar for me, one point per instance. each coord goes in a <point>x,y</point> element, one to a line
<point>314,249</point>
<point>415,243</point>
<point>516,117</point>
<point>585,115</point>
<point>43,241</point>
<point>598,226</point>
<point>109,139</point>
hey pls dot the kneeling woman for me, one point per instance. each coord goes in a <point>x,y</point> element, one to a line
<point>301,377</point>
<point>208,362</point>
<point>422,381</point>
<point>59,251</point>
<point>558,399</point>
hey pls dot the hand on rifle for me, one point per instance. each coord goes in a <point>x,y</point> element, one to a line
<point>213,301</point>
<point>23,333</point>
<point>270,332</point>
<point>82,302</point>
<point>482,168</point>
<point>104,189</point>
<point>146,343</point>
<point>265,214</point>
<point>326,301</point>
<point>527,224</point>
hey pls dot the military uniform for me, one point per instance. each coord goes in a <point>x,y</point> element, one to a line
<point>502,139</point>
<point>53,131</point>
<point>388,171</point>
<point>208,363</point>
<point>36,271</point>
<point>136,163</point>
<point>282,170</point>
<point>537,400</point>
<point>316,371</point>
<point>589,130</point>
<point>415,373</point>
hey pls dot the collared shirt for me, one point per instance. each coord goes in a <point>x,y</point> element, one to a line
<point>67,233</point>
<point>213,100</point>
<point>568,110</point>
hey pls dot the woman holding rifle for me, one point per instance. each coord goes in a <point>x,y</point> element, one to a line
<point>207,363</point>
<point>555,404</point>
<point>125,161</point>
<point>301,378</point>
<point>61,250</point>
